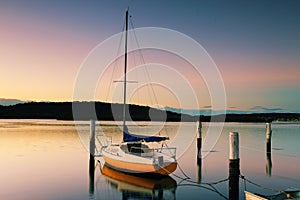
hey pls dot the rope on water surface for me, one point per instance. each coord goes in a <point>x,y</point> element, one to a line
<point>196,184</point>
<point>188,179</point>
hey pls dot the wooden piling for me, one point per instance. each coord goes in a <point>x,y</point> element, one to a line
<point>92,137</point>
<point>234,166</point>
<point>199,156</point>
<point>268,137</point>
<point>234,146</point>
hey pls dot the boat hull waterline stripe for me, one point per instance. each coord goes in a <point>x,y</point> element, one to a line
<point>167,168</point>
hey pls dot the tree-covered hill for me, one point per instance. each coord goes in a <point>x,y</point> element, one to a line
<point>107,111</point>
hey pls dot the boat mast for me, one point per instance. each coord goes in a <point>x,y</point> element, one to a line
<point>125,72</point>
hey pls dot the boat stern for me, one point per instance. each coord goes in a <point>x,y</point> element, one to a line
<point>166,169</point>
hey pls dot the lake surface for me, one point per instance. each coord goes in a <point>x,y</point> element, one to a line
<point>46,159</point>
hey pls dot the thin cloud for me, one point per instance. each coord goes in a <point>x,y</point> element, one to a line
<point>266,109</point>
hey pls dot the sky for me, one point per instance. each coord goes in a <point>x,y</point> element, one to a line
<point>255,45</point>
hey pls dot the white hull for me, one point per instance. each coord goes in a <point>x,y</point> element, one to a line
<point>149,161</point>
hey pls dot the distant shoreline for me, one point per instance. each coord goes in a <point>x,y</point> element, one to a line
<point>63,111</point>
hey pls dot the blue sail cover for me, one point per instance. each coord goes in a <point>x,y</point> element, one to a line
<point>128,137</point>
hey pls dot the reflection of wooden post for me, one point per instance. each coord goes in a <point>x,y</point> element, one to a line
<point>268,137</point>
<point>234,166</point>
<point>199,139</point>
<point>269,164</point>
<point>92,138</point>
<point>199,172</point>
<point>91,175</point>
<point>160,193</point>
<point>92,160</point>
<point>199,156</point>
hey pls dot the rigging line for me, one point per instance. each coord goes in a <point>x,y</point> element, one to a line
<point>143,60</point>
<point>164,129</point>
<point>146,72</point>
<point>136,74</point>
<point>115,62</point>
<point>149,88</point>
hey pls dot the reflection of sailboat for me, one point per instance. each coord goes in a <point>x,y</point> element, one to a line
<point>134,155</point>
<point>138,187</point>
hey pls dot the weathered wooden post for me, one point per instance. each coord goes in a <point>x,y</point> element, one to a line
<point>268,149</point>
<point>199,156</point>
<point>92,160</point>
<point>268,137</point>
<point>234,166</point>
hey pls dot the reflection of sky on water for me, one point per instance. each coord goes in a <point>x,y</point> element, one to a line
<point>46,160</point>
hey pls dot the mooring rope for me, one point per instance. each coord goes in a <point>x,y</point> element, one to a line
<point>188,179</point>
<point>263,187</point>
<point>181,170</point>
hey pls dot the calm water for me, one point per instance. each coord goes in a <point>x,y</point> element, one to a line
<point>45,159</point>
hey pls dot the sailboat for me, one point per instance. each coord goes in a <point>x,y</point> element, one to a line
<point>134,155</point>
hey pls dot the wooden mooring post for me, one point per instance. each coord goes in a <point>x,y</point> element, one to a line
<point>268,137</point>
<point>92,137</point>
<point>234,166</point>
<point>268,149</point>
<point>199,156</point>
<point>92,160</point>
